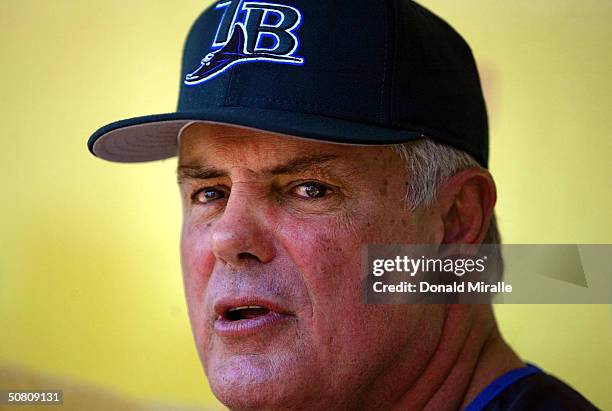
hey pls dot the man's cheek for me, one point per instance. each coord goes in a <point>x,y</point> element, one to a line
<point>197,263</point>
<point>329,260</point>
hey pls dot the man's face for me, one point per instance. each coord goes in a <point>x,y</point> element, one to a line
<point>271,252</point>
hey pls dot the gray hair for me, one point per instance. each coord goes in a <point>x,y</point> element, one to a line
<point>431,164</point>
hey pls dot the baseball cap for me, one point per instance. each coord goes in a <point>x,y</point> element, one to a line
<point>344,71</point>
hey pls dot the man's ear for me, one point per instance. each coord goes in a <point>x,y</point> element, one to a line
<point>466,204</point>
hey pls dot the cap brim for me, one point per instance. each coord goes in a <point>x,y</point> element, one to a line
<point>154,137</point>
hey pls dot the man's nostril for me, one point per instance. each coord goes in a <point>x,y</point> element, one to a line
<point>246,256</point>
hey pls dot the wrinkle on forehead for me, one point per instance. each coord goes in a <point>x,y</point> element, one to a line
<point>205,144</point>
<point>242,145</point>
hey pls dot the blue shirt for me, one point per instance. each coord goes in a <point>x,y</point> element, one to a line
<point>529,388</point>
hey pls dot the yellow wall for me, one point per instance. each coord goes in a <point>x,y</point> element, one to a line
<point>90,284</point>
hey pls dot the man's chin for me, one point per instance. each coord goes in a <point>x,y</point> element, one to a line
<point>255,381</point>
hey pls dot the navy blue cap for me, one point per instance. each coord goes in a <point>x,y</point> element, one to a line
<point>347,71</point>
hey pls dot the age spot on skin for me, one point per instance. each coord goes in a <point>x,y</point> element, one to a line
<point>383,188</point>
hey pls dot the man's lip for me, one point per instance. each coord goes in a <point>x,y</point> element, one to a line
<point>240,328</point>
<point>223,305</point>
<point>225,327</point>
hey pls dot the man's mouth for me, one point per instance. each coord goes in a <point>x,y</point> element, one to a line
<point>236,319</point>
<point>245,312</point>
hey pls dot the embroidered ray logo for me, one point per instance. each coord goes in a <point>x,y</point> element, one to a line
<point>260,23</point>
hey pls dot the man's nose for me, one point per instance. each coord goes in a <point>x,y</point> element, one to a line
<point>241,234</point>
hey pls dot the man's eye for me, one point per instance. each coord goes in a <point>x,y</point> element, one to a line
<point>208,195</point>
<point>311,190</point>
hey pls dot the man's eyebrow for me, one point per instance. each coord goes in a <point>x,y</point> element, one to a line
<point>198,172</point>
<point>302,163</point>
<point>203,172</point>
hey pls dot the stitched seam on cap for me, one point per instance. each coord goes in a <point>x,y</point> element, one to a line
<point>393,98</point>
<point>393,60</point>
<point>381,105</point>
<point>228,88</point>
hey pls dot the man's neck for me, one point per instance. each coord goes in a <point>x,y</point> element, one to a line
<point>471,354</point>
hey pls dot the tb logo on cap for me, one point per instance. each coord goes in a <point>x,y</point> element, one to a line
<point>250,31</point>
